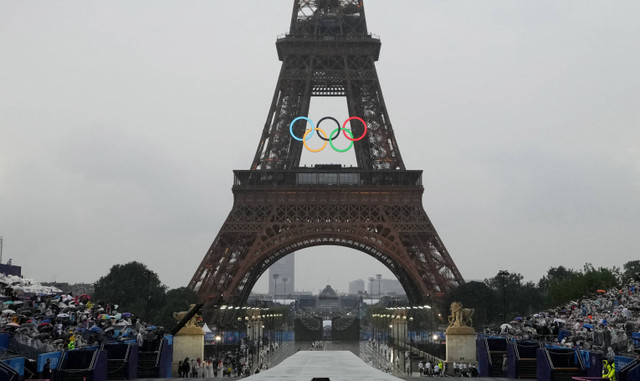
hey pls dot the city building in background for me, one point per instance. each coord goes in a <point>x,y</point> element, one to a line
<point>282,276</point>
<point>356,287</point>
<point>379,287</point>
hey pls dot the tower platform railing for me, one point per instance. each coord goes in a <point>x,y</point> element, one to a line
<point>306,177</point>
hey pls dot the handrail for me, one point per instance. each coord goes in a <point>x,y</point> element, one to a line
<point>343,176</point>
<point>486,346</point>
<point>160,347</point>
<point>9,370</point>
<point>580,360</point>
<point>289,36</point>
<point>93,359</point>
<point>60,361</point>
<point>546,352</point>
<point>518,345</point>
<point>126,354</point>
<point>515,349</point>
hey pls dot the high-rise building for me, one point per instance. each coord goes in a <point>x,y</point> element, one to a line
<point>356,286</point>
<point>282,276</point>
<point>378,287</point>
<point>391,287</point>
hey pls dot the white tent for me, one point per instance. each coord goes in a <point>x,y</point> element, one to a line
<point>206,329</point>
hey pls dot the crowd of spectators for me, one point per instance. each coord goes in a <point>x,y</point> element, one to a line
<point>43,319</point>
<point>604,321</point>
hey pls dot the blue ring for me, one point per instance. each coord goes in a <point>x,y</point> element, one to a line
<point>297,119</point>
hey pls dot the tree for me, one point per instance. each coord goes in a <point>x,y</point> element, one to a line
<point>133,287</point>
<point>631,271</point>
<point>481,298</point>
<point>561,285</point>
<point>175,300</point>
<point>516,299</point>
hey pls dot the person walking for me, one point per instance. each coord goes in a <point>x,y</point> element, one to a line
<point>185,367</point>
<point>194,368</point>
<point>504,365</point>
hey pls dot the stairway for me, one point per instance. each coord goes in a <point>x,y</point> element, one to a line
<point>495,370</point>
<point>565,374</point>
<point>147,365</point>
<point>8,373</point>
<point>116,369</point>
<point>528,368</point>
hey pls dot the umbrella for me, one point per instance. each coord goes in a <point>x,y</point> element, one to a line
<point>95,328</point>
<point>63,316</point>
<point>13,325</point>
<point>506,326</point>
<point>588,326</point>
<point>559,321</point>
<point>8,302</point>
<point>151,328</point>
<point>103,316</point>
<point>8,312</point>
<point>519,318</point>
<point>601,291</point>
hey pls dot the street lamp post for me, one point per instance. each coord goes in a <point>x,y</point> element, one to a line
<point>275,285</point>
<point>148,274</point>
<point>503,274</point>
<point>218,338</point>
<point>371,279</point>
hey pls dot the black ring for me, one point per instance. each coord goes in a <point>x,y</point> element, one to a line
<point>331,138</point>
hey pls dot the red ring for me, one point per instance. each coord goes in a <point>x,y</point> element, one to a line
<point>344,132</point>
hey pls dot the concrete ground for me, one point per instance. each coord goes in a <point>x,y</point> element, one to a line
<point>333,361</point>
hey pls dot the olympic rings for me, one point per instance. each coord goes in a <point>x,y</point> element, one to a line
<point>304,140</point>
<point>305,133</point>
<point>322,135</point>
<point>337,124</point>
<point>344,131</point>
<point>350,144</point>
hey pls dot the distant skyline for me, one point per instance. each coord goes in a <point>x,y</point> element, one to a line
<point>121,123</point>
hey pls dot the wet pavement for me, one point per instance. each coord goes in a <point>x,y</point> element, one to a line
<point>335,361</point>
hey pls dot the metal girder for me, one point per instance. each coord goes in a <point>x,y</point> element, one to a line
<point>265,224</point>
<point>279,207</point>
<point>328,52</point>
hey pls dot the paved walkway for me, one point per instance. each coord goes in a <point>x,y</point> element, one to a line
<point>353,361</point>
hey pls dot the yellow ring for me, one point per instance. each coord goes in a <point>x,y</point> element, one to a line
<point>305,142</point>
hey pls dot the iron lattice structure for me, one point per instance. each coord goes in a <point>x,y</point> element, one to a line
<point>280,207</point>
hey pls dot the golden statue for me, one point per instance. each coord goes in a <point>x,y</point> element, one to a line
<point>460,317</point>
<point>192,322</point>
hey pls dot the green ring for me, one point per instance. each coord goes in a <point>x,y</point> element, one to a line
<point>331,140</point>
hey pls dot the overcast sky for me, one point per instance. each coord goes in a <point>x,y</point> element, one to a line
<point>121,123</point>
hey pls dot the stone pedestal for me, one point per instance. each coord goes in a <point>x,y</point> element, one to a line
<point>188,342</point>
<point>461,344</point>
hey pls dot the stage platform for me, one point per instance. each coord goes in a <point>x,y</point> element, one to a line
<point>331,365</point>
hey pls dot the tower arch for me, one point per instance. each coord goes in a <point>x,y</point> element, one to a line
<point>279,207</point>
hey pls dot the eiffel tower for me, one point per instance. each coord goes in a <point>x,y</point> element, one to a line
<point>280,207</point>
